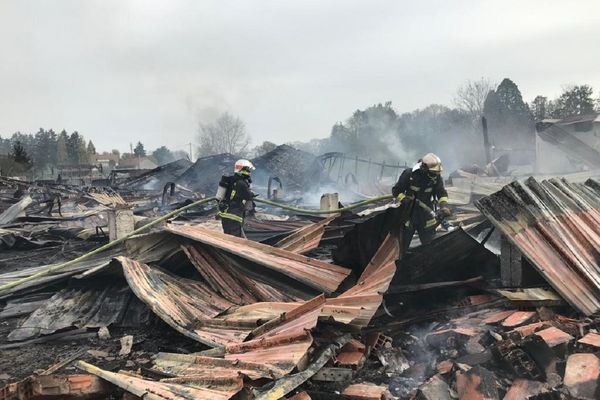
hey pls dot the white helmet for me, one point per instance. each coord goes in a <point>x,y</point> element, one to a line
<point>243,167</point>
<point>432,163</point>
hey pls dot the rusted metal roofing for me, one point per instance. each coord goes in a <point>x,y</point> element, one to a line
<point>315,274</point>
<point>357,305</point>
<point>282,351</point>
<point>298,320</point>
<point>556,225</point>
<point>81,307</point>
<point>266,357</point>
<point>181,303</point>
<point>272,358</point>
<point>57,386</point>
<point>174,389</point>
<point>193,308</point>
<point>200,366</point>
<point>230,282</point>
<point>94,262</point>
<point>306,238</point>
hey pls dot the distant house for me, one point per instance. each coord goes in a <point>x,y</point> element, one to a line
<point>568,145</point>
<point>136,163</point>
<point>78,174</point>
<point>108,161</point>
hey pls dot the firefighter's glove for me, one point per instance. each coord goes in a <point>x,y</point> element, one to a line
<point>252,209</point>
<point>443,213</point>
<point>404,199</point>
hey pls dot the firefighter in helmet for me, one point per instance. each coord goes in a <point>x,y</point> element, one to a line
<point>418,189</point>
<point>237,199</point>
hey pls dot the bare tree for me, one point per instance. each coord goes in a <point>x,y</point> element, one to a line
<point>470,97</point>
<point>226,135</point>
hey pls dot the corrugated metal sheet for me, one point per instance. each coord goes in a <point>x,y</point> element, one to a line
<point>84,307</point>
<point>272,357</point>
<point>357,305</point>
<point>571,145</point>
<point>315,274</point>
<point>192,308</point>
<point>556,225</point>
<point>188,389</point>
<point>97,261</point>
<point>184,304</point>
<point>200,366</point>
<point>306,238</point>
<point>230,282</point>
<point>282,351</point>
<point>295,321</point>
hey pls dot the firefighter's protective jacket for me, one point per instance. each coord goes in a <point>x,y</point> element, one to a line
<point>418,184</point>
<point>240,196</point>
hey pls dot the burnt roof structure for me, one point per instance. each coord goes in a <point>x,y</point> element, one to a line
<point>206,172</point>
<point>556,225</point>
<point>285,162</point>
<point>156,178</point>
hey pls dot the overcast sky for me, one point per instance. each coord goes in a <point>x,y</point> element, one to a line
<point>122,71</point>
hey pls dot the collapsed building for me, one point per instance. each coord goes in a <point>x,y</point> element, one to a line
<point>505,306</point>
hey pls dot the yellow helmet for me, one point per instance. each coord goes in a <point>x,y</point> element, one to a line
<point>432,163</point>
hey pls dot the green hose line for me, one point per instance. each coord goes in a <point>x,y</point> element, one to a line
<point>172,214</point>
<point>107,246</point>
<point>319,212</point>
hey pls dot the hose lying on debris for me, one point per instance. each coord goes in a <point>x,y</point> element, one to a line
<point>172,214</point>
<point>319,212</point>
<point>107,246</point>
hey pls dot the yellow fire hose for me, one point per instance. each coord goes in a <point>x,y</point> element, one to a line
<point>172,214</point>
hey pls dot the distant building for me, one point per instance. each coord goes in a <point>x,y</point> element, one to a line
<point>136,163</point>
<point>568,145</point>
<point>78,174</point>
<point>108,161</point>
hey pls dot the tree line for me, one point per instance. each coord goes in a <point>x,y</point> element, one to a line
<point>454,132</point>
<point>42,153</point>
<point>381,133</point>
<point>44,150</point>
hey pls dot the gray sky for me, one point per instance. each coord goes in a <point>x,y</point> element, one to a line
<point>121,71</point>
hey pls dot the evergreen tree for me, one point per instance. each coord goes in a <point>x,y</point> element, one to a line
<point>44,149</point>
<point>510,123</point>
<point>91,149</point>
<point>162,155</point>
<point>510,95</point>
<point>575,100</point>
<point>139,150</point>
<point>62,155</point>
<point>20,157</point>
<point>83,156</point>
<point>73,148</point>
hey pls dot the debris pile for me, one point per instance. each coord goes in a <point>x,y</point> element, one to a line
<point>285,163</point>
<point>505,306</point>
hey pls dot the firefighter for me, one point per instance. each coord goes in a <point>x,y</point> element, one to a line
<point>238,199</point>
<point>417,189</point>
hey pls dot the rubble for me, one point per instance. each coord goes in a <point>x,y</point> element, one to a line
<point>306,307</point>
